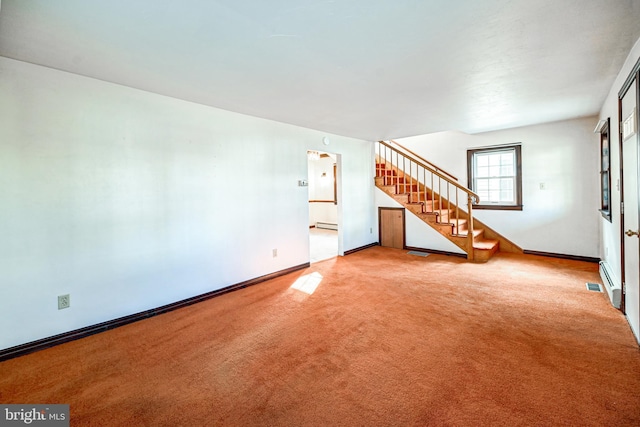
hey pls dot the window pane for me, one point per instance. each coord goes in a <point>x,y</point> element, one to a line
<point>605,170</point>
<point>506,170</point>
<point>605,191</point>
<point>482,172</point>
<point>506,196</point>
<point>506,183</point>
<point>496,190</point>
<point>495,164</point>
<point>507,158</point>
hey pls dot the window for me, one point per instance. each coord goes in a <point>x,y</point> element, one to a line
<point>605,172</point>
<point>495,174</point>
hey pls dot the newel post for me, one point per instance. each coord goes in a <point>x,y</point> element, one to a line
<point>470,227</point>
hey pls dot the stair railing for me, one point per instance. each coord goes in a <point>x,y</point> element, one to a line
<point>404,149</point>
<point>424,182</point>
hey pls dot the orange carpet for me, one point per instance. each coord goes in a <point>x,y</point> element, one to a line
<point>386,339</point>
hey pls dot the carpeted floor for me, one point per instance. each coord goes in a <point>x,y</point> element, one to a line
<point>386,339</point>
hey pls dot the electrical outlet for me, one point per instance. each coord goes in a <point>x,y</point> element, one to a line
<point>370,230</point>
<point>543,186</point>
<point>275,253</point>
<point>64,301</point>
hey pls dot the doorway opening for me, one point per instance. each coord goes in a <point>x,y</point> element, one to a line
<point>324,227</point>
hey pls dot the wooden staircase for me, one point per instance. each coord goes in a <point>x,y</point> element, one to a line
<point>436,198</point>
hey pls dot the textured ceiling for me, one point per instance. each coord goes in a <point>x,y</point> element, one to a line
<point>363,68</point>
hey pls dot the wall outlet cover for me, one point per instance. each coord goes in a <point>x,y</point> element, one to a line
<point>64,301</point>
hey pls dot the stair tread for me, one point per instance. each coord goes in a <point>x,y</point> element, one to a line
<point>486,244</point>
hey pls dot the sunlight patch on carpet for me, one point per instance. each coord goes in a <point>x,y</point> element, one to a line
<point>308,283</point>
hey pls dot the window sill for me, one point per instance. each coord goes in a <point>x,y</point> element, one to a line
<point>498,207</point>
<point>606,215</point>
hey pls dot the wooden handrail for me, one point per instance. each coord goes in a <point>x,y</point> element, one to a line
<point>436,173</point>
<point>417,156</point>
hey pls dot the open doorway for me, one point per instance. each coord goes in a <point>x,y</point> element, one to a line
<point>323,205</point>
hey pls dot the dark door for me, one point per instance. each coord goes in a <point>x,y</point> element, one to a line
<point>391,222</point>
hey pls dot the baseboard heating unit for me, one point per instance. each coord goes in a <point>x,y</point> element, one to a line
<point>611,284</point>
<point>326,225</point>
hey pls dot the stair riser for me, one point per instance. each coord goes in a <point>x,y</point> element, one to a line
<point>446,217</point>
<point>432,205</point>
<point>415,208</point>
<point>445,228</point>
<point>406,188</point>
<point>484,255</point>
<point>401,198</point>
<point>461,230</point>
<point>389,189</point>
<point>421,197</point>
<point>393,179</point>
<point>478,234</point>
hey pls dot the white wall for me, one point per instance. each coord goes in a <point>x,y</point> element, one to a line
<point>129,200</point>
<point>611,239</point>
<point>563,218</point>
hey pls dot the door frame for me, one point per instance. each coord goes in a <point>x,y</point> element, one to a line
<point>634,75</point>
<point>404,225</point>
<point>337,193</point>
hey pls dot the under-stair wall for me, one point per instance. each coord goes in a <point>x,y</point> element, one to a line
<point>418,234</point>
